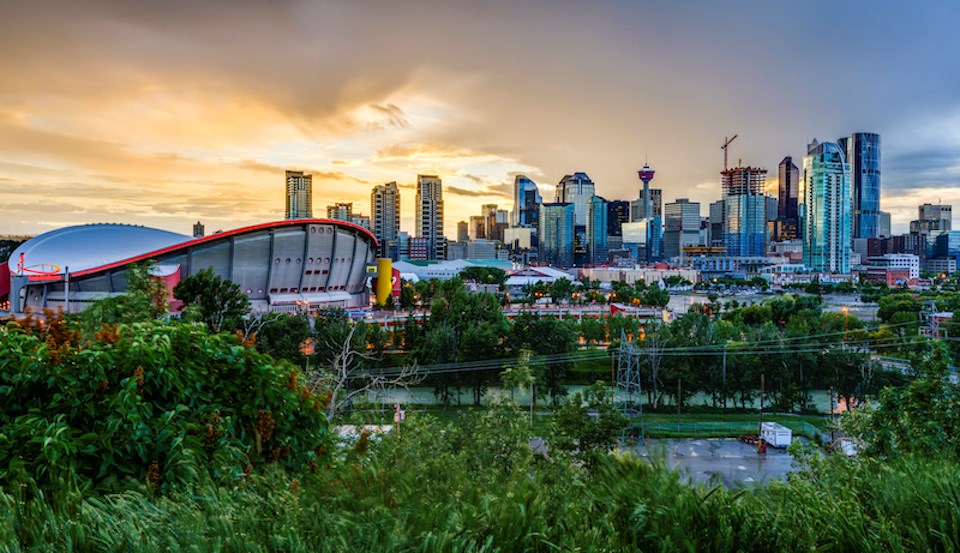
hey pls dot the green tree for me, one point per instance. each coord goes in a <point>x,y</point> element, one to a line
<point>922,418</point>
<point>407,295</point>
<point>484,275</point>
<point>209,298</point>
<point>282,335</point>
<point>560,290</point>
<point>587,425</point>
<point>145,300</point>
<point>892,304</point>
<point>593,330</point>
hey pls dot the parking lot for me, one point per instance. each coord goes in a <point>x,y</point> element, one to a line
<point>734,463</point>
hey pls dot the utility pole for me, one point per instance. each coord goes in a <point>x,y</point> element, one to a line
<point>760,433</point>
<point>679,401</point>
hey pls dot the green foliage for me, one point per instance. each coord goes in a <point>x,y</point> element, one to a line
<point>922,418</point>
<point>331,328</point>
<point>408,296</point>
<point>6,248</point>
<point>282,336</point>
<point>215,301</point>
<point>145,300</point>
<point>546,336</point>
<point>484,275</point>
<point>474,485</point>
<point>560,290</point>
<point>586,426</point>
<point>892,304</point>
<point>164,404</point>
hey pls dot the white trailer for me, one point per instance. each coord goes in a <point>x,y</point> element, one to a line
<point>775,434</point>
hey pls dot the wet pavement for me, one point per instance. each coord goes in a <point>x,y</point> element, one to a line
<point>734,463</point>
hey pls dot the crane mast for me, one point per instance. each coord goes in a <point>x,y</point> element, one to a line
<point>726,144</point>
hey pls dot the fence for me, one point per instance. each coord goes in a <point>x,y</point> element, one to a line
<point>729,429</point>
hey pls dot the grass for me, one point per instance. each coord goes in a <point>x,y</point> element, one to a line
<point>456,486</point>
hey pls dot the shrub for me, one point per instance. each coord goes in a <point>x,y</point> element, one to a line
<point>156,403</point>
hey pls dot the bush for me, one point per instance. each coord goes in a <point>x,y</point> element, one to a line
<point>150,402</point>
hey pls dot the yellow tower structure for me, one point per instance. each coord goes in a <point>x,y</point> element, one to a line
<point>384,280</point>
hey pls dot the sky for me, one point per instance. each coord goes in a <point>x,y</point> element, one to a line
<point>165,113</point>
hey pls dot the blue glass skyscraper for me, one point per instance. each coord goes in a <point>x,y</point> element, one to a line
<point>862,151</point>
<point>744,218</point>
<point>597,230</point>
<point>556,233</point>
<point>827,214</point>
<point>526,202</point>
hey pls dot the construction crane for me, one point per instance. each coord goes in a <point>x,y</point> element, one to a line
<point>726,144</point>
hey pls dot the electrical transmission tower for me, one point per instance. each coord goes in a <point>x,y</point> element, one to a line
<point>628,383</point>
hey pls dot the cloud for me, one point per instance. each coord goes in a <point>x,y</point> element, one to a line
<point>192,103</point>
<point>392,114</point>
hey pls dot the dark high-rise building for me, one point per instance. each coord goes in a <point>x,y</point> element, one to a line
<point>198,230</point>
<point>597,222</point>
<point>715,234</point>
<point>526,202</point>
<point>862,151</point>
<point>556,233</point>
<point>463,231</point>
<point>618,213</point>
<point>788,215</point>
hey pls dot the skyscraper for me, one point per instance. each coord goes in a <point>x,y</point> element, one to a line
<point>862,151</point>
<point>934,220</point>
<point>526,202</point>
<point>597,230</point>
<point>299,196</point>
<point>744,205</point>
<point>715,234</point>
<point>884,224</point>
<point>827,213</point>
<point>341,211</point>
<point>576,189</point>
<point>788,216</point>
<point>681,227</point>
<point>477,227</point>
<point>430,215</point>
<point>556,233</point>
<point>463,231</point>
<point>937,212</point>
<point>637,212</point>
<point>489,212</point>
<point>385,212</point>
<point>618,213</point>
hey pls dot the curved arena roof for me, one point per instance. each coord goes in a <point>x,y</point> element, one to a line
<point>85,247</point>
<point>311,262</point>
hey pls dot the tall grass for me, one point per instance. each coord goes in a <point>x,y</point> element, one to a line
<point>474,486</point>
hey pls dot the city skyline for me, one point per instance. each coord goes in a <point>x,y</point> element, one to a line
<point>167,115</point>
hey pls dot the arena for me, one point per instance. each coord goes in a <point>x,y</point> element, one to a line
<point>282,266</point>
